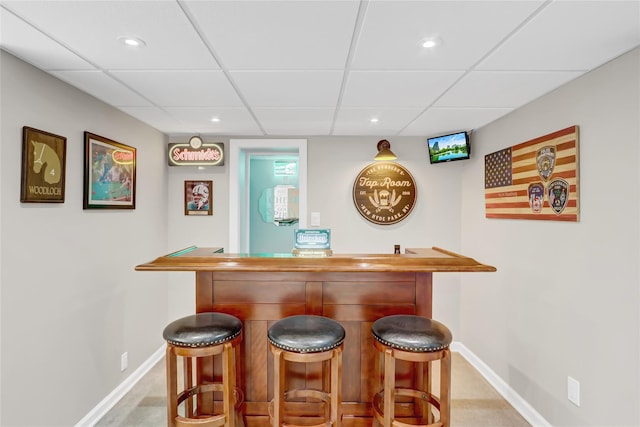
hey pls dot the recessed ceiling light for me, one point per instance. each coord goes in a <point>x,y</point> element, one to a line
<point>431,42</point>
<point>132,41</point>
<point>374,120</point>
<point>215,119</point>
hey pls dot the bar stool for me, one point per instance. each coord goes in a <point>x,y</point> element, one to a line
<point>307,339</point>
<point>196,336</point>
<point>419,340</point>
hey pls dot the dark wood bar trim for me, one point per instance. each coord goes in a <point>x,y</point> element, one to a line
<point>204,296</point>
<point>424,294</point>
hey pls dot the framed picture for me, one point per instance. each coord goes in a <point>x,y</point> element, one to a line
<point>197,197</point>
<point>109,174</point>
<point>44,157</point>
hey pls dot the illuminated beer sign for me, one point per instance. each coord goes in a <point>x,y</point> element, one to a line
<point>200,154</point>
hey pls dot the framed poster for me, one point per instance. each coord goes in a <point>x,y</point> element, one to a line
<point>43,166</point>
<point>197,197</point>
<point>109,174</point>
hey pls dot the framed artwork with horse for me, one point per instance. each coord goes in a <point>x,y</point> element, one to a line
<point>44,158</point>
<point>109,174</point>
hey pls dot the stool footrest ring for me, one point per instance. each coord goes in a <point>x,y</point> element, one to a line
<point>378,399</point>
<point>419,394</point>
<point>207,420</point>
<point>212,421</point>
<point>296,394</point>
<point>207,388</point>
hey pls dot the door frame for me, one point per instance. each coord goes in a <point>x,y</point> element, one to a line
<point>239,180</point>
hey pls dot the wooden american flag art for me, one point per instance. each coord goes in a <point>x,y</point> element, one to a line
<point>536,180</point>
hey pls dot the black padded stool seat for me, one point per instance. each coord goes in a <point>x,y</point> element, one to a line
<point>197,336</point>
<point>306,334</point>
<point>203,329</point>
<point>411,333</point>
<point>418,340</point>
<point>307,339</point>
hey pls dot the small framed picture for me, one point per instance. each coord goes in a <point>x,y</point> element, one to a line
<point>44,157</point>
<point>197,197</point>
<point>109,174</point>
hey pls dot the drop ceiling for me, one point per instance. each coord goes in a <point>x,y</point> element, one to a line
<point>305,68</point>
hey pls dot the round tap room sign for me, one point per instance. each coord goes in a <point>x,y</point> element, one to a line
<point>384,193</point>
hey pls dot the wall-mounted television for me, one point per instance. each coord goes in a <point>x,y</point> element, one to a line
<point>447,148</point>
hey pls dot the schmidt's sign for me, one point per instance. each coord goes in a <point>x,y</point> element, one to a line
<point>199,154</point>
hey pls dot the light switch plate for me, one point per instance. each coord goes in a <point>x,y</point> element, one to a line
<point>573,391</point>
<point>315,219</point>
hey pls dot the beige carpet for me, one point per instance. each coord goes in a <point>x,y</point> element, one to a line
<point>474,402</point>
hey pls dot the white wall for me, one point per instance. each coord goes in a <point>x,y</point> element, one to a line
<point>71,302</point>
<point>565,299</point>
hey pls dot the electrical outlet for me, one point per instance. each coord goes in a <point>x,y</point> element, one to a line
<point>124,361</point>
<point>573,391</point>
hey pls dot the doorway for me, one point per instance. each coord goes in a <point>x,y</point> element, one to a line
<point>250,230</point>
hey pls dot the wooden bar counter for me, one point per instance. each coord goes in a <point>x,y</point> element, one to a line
<point>354,289</point>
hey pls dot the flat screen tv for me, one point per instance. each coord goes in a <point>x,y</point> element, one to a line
<point>447,148</point>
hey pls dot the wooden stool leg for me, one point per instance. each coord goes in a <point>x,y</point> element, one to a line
<point>336,386</point>
<point>187,381</point>
<point>445,389</point>
<point>278,389</point>
<point>389,387</point>
<point>172,387</point>
<point>426,385</point>
<point>228,381</point>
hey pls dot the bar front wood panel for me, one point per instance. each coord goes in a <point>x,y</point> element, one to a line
<point>354,299</point>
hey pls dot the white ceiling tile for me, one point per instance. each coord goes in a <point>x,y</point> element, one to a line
<point>232,120</point>
<point>103,87</point>
<point>33,46</point>
<point>155,117</point>
<point>503,88</point>
<point>289,88</point>
<point>92,28</point>
<point>440,121</point>
<point>570,35</point>
<point>182,88</point>
<point>278,34</point>
<point>393,30</point>
<point>356,121</point>
<point>295,121</point>
<point>396,88</point>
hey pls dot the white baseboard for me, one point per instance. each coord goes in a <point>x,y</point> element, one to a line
<point>119,392</point>
<point>509,394</point>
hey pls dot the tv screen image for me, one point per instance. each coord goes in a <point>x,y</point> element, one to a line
<point>447,148</point>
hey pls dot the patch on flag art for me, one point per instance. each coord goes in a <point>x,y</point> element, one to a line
<point>536,196</point>
<point>558,194</point>
<point>537,179</point>
<point>546,160</point>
